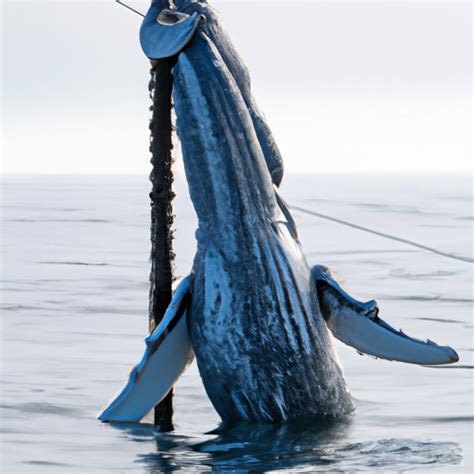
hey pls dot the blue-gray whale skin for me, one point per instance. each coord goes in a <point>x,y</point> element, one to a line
<point>214,29</point>
<point>261,344</point>
<point>256,316</point>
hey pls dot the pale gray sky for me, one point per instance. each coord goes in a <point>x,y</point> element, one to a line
<point>346,86</point>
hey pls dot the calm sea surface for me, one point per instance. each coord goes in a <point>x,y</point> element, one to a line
<point>74,313</point>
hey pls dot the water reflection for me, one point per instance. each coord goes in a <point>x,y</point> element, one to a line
<point>267,447</point>
<point>245,447</point>
<point>317,445</point>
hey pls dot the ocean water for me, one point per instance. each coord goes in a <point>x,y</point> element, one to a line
<point>74,313</point>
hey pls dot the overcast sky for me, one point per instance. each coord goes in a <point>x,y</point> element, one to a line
<point>346,86</point>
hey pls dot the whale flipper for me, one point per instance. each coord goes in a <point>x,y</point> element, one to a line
<point>358,325</point>
<point>168,353</point>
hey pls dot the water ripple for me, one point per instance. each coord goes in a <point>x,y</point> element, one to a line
<point>297,448</point>
<point>440,298</point>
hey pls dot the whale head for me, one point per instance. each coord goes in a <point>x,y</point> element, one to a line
<point>229,182</point>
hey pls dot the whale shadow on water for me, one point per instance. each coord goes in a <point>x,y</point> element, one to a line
<point>322,445</point>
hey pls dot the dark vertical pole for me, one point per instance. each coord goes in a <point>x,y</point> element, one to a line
<point>161,195</point>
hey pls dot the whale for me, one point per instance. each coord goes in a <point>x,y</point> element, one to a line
<point>258,319</point>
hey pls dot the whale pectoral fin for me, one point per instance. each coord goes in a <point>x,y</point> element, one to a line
<point>168,353</point>
<point>165,33</point>
<point>358,325</point>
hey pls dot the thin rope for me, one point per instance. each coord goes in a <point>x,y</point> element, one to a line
<point>130,8</point>
<point>382,234</point>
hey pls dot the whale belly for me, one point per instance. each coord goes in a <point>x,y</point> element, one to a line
<point>261,345</point>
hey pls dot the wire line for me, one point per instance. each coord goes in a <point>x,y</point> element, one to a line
<point>383,234</point>
<point>130,8</point>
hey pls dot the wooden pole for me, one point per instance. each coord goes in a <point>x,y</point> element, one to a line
<point>161,177</point>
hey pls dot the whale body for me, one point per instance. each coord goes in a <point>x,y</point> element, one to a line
<point>260,340</point>
<point>258,317</point>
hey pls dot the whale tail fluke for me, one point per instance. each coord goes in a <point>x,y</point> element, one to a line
<point>358,325</point>
<point>165,32</point>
